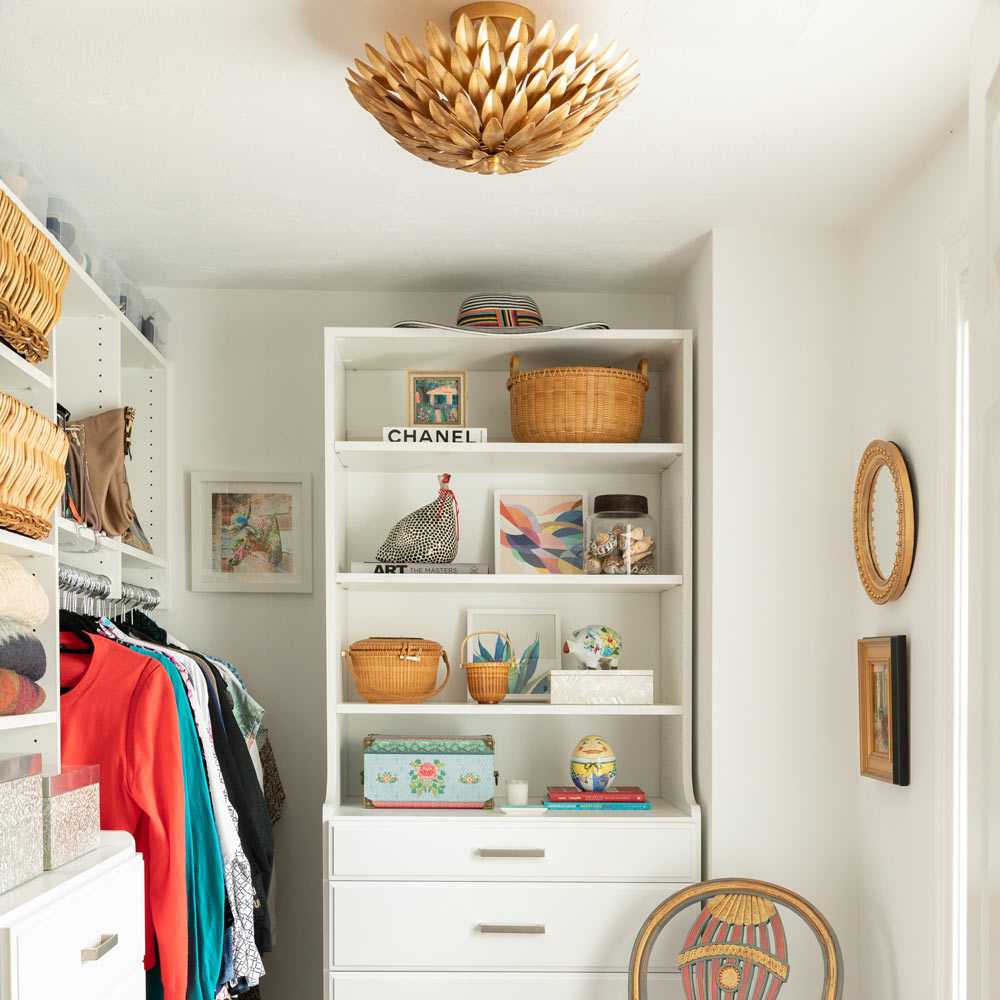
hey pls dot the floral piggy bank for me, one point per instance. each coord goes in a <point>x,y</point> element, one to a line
<point>593,765</point>
<point>595,647</point>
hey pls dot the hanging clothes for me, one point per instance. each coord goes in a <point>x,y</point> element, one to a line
<point>241,956</point>
<point>119,711</point>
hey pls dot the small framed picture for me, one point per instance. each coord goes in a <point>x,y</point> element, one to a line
<point>883,709</point>
<point>538,531</point>
<point>251,534</point>
<point>436,399</point>
<point>534,649</point>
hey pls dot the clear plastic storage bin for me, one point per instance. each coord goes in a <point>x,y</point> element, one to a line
<point>66,225</point>
<point>155,324</point>
<point>133,302</point>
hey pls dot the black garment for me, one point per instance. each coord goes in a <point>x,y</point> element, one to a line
<point>256,808</point>
<point>240,779</point>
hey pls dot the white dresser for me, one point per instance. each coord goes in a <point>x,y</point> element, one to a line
<point>430,903</point>
<point>78,931</point>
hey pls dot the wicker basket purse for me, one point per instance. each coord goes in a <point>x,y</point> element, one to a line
<point>581,405</point>
<point>33,276</point>
<point>32,468</point>
<point>488,679</point>
<point>401,670</point>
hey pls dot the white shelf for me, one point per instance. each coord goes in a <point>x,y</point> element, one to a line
<point>130,556</point>
<point>16,373</point>
<point>660,810</point>
<point>403,349</point>
<point>506,583</point>
<point>84,297</point>
<point>13,544</point>
<point>46,718</point>
<point>137,351</point>
<point>506,457</point>
<point>504,708</point>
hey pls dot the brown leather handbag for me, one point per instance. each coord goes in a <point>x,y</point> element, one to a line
<point>107,441</point>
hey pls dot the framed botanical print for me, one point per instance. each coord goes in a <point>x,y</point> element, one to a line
<point>251,534</point>
<point>436,399</point>
<point>538,531</point>
<point>883,709</point>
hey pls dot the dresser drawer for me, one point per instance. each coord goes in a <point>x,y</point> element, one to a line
<point>490,925</point>
<point>495,986</point>
<point>498,848</point>
<point>60,949</point>
<point>132,988</point>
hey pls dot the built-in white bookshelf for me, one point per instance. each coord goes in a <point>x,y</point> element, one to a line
<point>370,484</point>
<point>98,360</point>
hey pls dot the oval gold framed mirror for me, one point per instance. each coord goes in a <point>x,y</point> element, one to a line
<point>885,525</point>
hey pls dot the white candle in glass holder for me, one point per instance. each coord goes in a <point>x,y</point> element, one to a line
<point>517,792</point>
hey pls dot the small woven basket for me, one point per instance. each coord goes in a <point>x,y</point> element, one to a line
<point>487,680</point>
<point>396,670</point>
<point>582,405</point>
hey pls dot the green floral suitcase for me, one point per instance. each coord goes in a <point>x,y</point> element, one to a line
<point>429,772</point>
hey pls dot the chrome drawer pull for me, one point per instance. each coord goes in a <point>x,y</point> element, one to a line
<point>512,928</point>
<point>512,852</point>
<point>108,941</point>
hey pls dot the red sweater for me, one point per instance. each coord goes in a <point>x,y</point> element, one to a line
<point>120,713</point>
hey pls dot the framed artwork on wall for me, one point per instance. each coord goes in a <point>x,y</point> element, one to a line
<point>534,639</point>
<point>251,534</point>
<point>883,709</point>
<point>436,399</point>
<point>538,531</point>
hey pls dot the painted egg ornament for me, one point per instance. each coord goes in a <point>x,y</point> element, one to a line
<point>593,765</point>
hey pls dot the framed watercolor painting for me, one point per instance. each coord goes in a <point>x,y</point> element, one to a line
<point>534,639</point>
<point>436,399</point>
<point>251,534</point>
<point>538,531</point>
<point>883,709</point>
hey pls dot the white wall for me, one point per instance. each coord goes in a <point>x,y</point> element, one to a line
<point>782,693</point>
<point>247,394</point>
<point>903,395</point>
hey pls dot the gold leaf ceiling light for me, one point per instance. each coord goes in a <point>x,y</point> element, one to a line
<point>500,98</point>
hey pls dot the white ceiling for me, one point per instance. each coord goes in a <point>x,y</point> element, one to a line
<point>214,142</point>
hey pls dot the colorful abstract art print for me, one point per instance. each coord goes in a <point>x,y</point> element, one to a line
<point>436,399</point>
<point>533,638</point>
<point>251,535</point>
<point>538,531</point>
<point>883,709</point>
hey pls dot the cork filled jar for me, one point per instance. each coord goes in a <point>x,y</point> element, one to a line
<point>620,536</point>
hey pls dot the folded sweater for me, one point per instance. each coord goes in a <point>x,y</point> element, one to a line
<point>22,597</point>
<point>18,695</point>
<point>21,650</point>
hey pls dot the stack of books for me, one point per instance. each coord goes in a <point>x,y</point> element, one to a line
<point>630,797</point>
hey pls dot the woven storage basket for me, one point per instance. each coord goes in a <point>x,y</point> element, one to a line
<point>396,670</point>
<point>32,468</point>
<point>591,405</point>
<point>487,680</point>
<point>33,276</point>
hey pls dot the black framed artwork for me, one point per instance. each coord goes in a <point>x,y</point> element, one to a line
<point>884,709</point>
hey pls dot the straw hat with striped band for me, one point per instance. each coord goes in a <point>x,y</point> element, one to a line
<point>492,313</point>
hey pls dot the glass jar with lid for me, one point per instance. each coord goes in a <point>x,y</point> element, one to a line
<point>620,537</point>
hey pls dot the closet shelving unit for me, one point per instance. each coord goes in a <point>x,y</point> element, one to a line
<point>98,360</point>
<point>390,861</point>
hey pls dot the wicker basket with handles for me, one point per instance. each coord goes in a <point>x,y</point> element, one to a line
<point>582,405</point>
<point>401,670</point>
<point>488,680</point>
